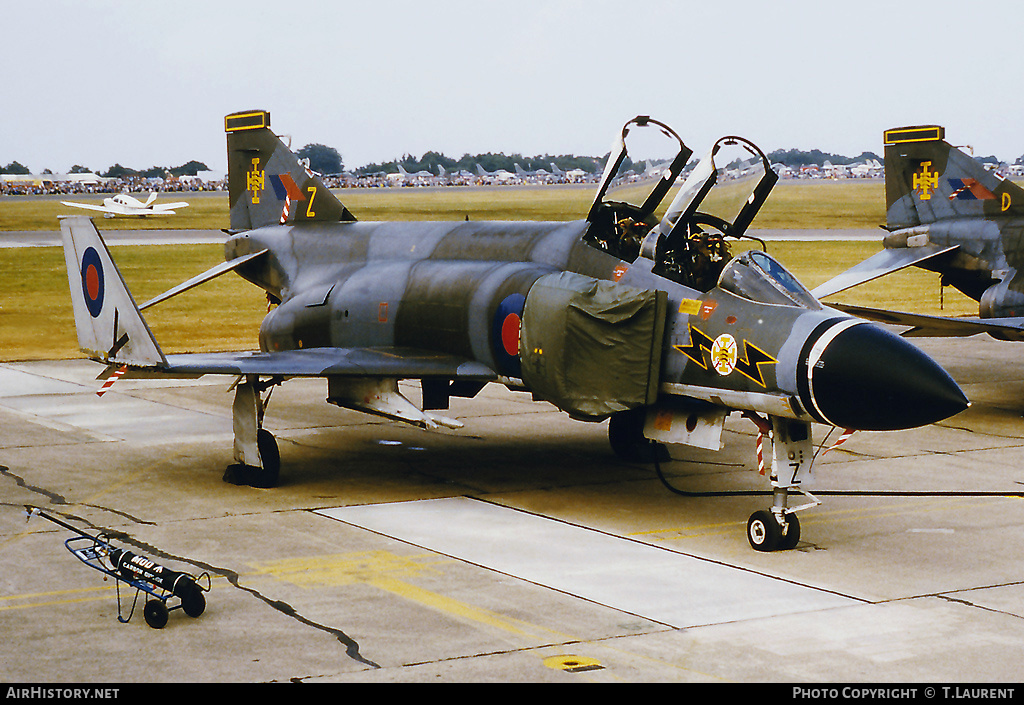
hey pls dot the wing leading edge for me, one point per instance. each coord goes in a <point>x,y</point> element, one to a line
<point>921,326</point>
<point>390,362</point>
<point>880,264</point>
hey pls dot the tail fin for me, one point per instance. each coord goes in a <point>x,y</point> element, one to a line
<point>110,327</point>
<point>266,183</point>
<point>927,179</point>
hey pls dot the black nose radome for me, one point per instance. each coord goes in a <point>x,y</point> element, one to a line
<point>856,375</point>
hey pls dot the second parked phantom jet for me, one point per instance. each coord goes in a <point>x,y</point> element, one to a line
<point>948,214</point>
<point>647,322</point>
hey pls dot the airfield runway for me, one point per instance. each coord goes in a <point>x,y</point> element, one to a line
<point>517,549</point>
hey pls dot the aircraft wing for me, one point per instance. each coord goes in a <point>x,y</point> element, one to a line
<point>390,362</point>
<point>885,262</point>
<point>101,209</point>
<point>922,326</point>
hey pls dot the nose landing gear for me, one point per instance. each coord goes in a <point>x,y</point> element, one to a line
<point>778,528</point>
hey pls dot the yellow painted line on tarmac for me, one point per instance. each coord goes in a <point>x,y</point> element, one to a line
<point>64,597</point>
<point>391,573</point>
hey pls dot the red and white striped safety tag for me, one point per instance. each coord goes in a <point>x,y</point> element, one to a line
<point>111,379</point>
<point>840,441</point>
<point>760,453</point>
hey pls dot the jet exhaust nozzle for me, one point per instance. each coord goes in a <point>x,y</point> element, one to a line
<point>859,376</point>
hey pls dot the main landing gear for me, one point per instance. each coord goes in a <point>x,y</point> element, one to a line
<point>778,528</point>
<point>257,457</point>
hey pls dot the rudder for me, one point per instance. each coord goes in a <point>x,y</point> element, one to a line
<point>267,185</point>
<point>927,180</point>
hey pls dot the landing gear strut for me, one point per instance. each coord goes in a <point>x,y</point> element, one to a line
<point>778,528</point>
<point>257,458</point>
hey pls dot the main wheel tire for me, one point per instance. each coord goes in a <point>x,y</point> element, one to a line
<point>763,532</point>
<point>155,612</point>
<point>270,457</point>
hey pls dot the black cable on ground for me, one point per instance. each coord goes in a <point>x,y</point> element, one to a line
<point>832,493</point>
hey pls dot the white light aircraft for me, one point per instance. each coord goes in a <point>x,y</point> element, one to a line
<point>123,204</point>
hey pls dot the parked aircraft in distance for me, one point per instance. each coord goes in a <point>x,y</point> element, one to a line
<point>869,167</point>
<point>947,213</point>
<point>403,175</point>
<point>524,174</point>
<point>124,204</point>
<point>649,323</point>
<point>498,174</point>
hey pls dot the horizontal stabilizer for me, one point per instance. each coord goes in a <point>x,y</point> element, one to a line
<point>885,262</point>
<point>206,276</point>
<point>922,326</point>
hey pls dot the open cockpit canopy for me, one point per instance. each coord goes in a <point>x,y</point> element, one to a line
<point>719,198</point>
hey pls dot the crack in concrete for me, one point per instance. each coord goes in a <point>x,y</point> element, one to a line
<point>351,646</point>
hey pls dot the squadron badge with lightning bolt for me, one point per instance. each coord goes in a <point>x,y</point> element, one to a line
<point>723,353</point>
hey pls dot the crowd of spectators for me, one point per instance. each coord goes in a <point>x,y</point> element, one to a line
<point>68,184</point>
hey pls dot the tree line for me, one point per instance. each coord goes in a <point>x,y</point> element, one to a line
<point>490,161</point>
<point>117,171</point>
<point>327,160</point>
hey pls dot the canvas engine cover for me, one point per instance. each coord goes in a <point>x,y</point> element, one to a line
<point>592,347</point>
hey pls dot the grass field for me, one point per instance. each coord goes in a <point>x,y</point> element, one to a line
<point>817,205</point>
<point>35,310</point>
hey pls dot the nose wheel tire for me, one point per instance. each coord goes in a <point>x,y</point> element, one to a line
<point>766,534</point>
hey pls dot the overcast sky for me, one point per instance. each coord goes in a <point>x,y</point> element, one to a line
<point>143,83</point>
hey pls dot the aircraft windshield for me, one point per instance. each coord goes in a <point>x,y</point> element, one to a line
<point>757,276</point>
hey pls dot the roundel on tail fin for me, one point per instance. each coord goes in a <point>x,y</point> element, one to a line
<point>92,281</point>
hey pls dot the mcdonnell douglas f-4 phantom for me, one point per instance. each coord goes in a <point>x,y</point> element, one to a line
<point>946,213</point>
<point>647,322</point>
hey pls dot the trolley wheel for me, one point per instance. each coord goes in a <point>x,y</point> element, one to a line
<point>155,613</point>
<point>193,602</point>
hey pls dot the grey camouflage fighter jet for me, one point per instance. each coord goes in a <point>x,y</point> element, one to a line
<point>649,322</point>
<point>948,214</point>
